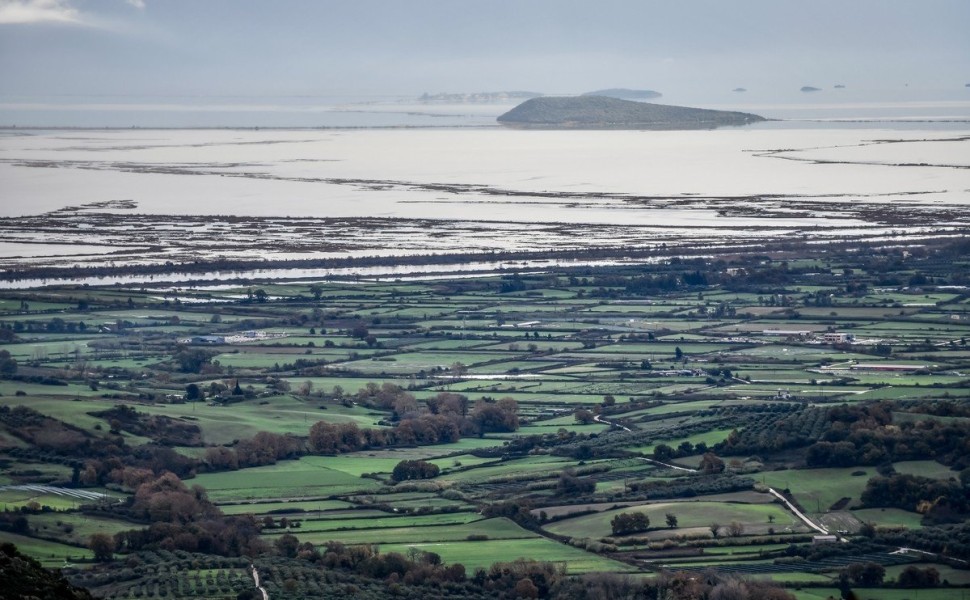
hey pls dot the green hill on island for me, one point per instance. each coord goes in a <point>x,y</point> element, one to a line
<point>599,112</point>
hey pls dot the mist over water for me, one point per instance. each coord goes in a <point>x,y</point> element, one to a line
<point>407,111</point>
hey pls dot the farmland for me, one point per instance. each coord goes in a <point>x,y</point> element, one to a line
<point>541,409</point>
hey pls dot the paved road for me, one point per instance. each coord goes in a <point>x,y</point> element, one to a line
<point>798,513</point>
<point>771,491</point>
<point>612,423</point>
<point>668,465</point>
<point>256,579</point>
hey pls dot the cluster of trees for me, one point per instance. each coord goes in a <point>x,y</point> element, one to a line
<point>711,464</point>
<point>180,519</point>
<point>670,586</point>
<point>338,438</point>
<point>414,427</point>
<point>49,434</point>
<point>689,486</point>
<point>414,469</point>
<point>863,573</point>
<point>8,365</point>
<point>419,568</point>
<point>871,442</point>
<point>265,448</point>
<point>569,484</point>
<point>939,501</point>
<point>650,285</point>
<point>515,510</point>
<point>195,360</point>
<point>168,499</point>
<point>850,435</point>
<point>221,535</point>
<point>55,325</point>
<point>627,523</point>
<point>665,452</point>
<point>162,429</point>
<point>949,540</point>
<point>914,577</point>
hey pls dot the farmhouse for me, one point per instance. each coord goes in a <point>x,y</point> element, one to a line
<point>824,539</point>
<point>201,340</point>
<point>837,338</point>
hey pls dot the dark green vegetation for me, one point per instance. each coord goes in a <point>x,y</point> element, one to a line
<point>602,112</point>
<point>24,578</point>
<point>614,432</point>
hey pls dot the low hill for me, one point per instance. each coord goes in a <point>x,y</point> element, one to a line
<point>25,578</point>
<point>625,94</point>
<point>599,112</point>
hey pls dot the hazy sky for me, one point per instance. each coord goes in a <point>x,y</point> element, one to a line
<point>162,48</point>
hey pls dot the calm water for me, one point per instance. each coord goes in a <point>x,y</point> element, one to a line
<point>151,195</point>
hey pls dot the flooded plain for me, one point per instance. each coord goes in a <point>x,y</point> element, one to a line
<point>141,196</point>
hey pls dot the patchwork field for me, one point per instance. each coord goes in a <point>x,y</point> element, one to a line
<point>488,419</point>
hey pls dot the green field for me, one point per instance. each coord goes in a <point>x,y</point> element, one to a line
<point>484,553</point>
<point>695,516</point>
<point>415,362</point>
<point>307,478</point>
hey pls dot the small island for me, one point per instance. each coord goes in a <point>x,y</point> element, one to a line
<point>808,88</point>
<point>739,89</point>
<point>476,97</point>
<point>600,112</point>
<point>626,94</point>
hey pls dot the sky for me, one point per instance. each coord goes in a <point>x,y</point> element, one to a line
<point>157,49</point>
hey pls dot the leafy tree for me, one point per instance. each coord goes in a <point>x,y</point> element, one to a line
<point>192,392</point>
<point>711,464</point>
<point>627,523</point>
<point>865,574</point>
<point>497,417</point>
<point>103,546</point>
<point>663,452</point>
<point>914,577</point>
<point>191,360</point>
<point>524,588</point>
<point>8,366</point>
<point>671,520</point>
<point>414,469</point>
<point>569,484</point>
<point>287,545</point>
